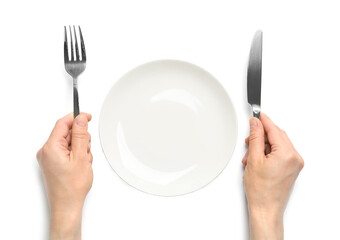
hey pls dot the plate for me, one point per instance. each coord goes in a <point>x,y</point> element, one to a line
<point>168,127</point>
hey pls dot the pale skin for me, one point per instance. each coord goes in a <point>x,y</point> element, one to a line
<point>66,164</point>
<point>271,167</point>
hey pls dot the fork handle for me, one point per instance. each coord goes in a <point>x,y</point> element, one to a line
<point>75,99</point>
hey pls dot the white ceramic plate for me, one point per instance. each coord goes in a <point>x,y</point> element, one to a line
<point>168,127</point>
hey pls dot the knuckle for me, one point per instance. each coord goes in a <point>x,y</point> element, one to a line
<point>45,149</point>
<point>301,163</point>
<point>38,155</point>
<point>80,134</point>
<point>254,136</point>
<point>291,156</point>
<point>294,158</point>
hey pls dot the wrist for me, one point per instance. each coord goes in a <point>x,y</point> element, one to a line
<point>65,223</point>
<point>265,224</point>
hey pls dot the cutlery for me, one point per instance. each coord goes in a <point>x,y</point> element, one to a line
<point>76,63</point>
<point>254,74</point>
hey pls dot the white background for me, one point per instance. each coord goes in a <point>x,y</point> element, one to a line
<point>300,93</point>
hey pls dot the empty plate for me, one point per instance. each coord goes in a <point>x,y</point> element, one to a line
<point>168,127</point>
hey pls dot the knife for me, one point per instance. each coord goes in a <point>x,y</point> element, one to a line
<point>254,74</point>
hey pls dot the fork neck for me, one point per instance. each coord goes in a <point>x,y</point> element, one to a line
<point>75,82</point>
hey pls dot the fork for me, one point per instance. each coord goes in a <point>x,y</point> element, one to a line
<point>74,65</point>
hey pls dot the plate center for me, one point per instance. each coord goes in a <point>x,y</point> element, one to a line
<point>165,137</point>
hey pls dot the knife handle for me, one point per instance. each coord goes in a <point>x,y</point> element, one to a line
<point>256,110</point>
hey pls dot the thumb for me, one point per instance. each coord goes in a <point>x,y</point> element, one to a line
<point>80,136</point>
<point>256,138</point>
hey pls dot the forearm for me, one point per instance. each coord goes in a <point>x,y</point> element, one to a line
<point>65,224</point>
<point>265,226</point>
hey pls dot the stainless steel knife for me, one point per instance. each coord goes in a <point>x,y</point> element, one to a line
<point>254,74</point>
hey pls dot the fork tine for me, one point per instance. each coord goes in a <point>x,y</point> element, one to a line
<point>72,53</point>
<point>76,43</point>
<point>66,59</point>
<point>83,53</point>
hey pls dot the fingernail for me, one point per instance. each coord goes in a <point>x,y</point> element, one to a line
<point>81,121</point>
<point>253,122</point>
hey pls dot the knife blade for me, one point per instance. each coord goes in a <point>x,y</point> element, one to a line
<point>254,74</point>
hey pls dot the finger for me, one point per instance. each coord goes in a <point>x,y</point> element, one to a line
<point>285,136</point>
<point>273,132</point>
<point>256,138</point>
<point>80,137</point>
<point>68,138</point>
<point>89,144</point>
<point>265,140</point>
<point>90,157</point>
<point>245,158</point>
<point>38,155</point>
<point>89,147</point>
<point>62,127</point>
<point>247,141</point>
<point>88,116</point>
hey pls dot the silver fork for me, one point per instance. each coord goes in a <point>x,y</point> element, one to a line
<point>75,65</point>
